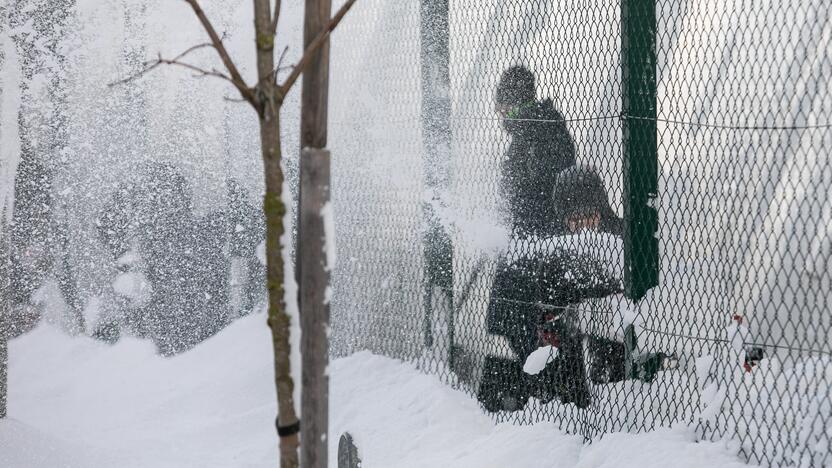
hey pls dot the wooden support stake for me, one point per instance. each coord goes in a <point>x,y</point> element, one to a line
<point>313,271</point>
<point>315,92</point>
<point>314,306</point>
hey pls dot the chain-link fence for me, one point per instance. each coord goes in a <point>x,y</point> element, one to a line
<point>495,221</point>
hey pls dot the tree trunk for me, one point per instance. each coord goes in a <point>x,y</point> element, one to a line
<point>267,98</point>
<point>278,318</point>
<point>269,109</point>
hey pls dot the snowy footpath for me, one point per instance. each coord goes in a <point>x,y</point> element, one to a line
<point>74,402</point>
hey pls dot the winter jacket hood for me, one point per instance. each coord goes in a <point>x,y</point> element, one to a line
<point>579,189</point>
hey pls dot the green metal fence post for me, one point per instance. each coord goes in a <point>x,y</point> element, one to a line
<point>638,72</point>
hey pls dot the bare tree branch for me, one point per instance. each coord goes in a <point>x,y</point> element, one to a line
<point>236,78</point>
<point>276,17</point>
<point>135,76</point>
<point>282,56</point>
<point>314,46</point>
<point>200,72</point>
<point>276,69</point>
<point>160,61</point>
<point>191,49</point>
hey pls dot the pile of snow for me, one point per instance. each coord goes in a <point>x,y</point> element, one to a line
<point>33,448</point>
<point>402,418</point>
<point>75,402</point>
<point>761,407</point>
<point>126,406</point>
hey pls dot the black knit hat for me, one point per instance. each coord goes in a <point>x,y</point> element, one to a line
<point>516,86</point>
<point>579,189</point>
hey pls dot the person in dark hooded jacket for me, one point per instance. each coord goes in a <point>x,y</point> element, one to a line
<point>579,195</point>
<point>541,147</point>
<point>540,287</point>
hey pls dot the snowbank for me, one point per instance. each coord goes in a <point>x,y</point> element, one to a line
<point>212,406</point>
<point>75,402</point>
<point>33,448</point>
<point>402,418</point>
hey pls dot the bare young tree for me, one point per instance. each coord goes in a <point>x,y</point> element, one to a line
<point>266,98</point>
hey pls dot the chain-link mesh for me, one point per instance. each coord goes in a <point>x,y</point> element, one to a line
<point>483,230</point>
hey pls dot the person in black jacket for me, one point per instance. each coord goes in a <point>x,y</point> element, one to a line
<point>581,203</point>
<point>541,286</point>
<point>541,147</point>
<point>538,291</point>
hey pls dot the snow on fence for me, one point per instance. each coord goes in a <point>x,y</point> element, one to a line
<point>743,126</point>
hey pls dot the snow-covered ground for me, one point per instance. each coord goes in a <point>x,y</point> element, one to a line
<point>75,402</point>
